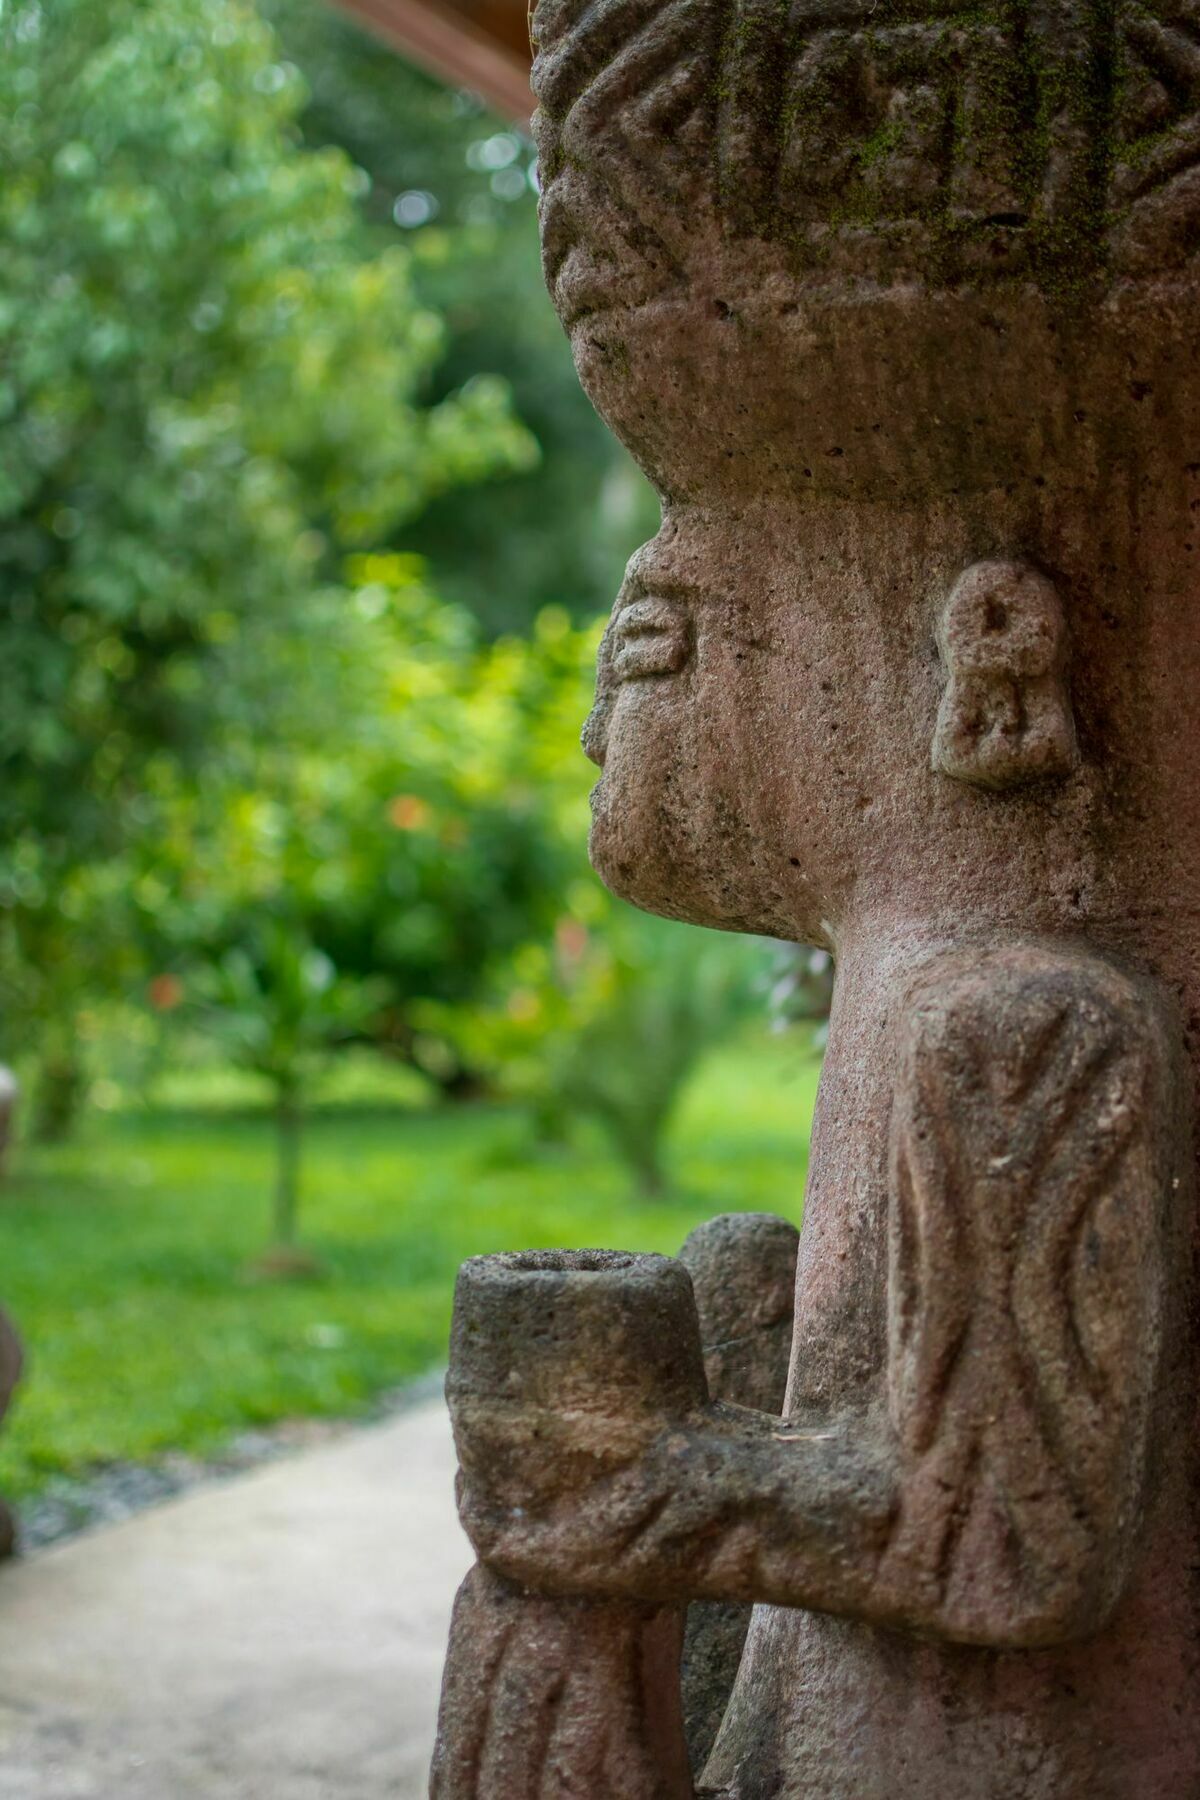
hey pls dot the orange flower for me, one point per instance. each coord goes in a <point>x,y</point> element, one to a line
<point>166,993</point>
<point>571,936</point>
<point>408,812</point>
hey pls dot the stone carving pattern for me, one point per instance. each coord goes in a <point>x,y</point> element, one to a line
<point>914,137</point>
<point>989,1494</point>
<point>743,1270</point>
<point>546,1698</point>
<point>1026,1284</point>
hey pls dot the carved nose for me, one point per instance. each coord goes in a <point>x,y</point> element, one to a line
<point>594,736</point>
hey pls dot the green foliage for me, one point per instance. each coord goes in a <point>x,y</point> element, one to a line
<point>241,731</point>
<point>212,382</point>
<point>64,947</point>
<point>452,852</point>
<point>614,1023</point>
<point>558,532</point>
<point>280,1008</point>
<point>281,1011</point>
<point>423,848</point>
<point>121,1253</point>
<point>439,856</point>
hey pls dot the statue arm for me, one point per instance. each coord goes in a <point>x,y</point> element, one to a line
<point>992,1492</point>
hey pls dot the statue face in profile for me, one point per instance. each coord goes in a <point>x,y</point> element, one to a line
<point>722,797</point>
<point>760,741</point>
<point>819,278</point>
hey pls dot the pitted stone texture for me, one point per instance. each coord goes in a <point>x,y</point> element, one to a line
<point>580,1697</point>
<point>899,309</point>
<point>917,142</point>
<point>1005,716</point>
<point>1033,1215</point>
<point>743,1270</point>
<point>565,1695</point>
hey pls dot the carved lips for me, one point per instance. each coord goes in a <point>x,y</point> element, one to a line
<point>649,638</point>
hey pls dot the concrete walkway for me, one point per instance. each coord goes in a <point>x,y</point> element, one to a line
<point>275,1637</point>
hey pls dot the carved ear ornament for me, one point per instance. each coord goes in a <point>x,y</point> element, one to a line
<point>1005,717</point>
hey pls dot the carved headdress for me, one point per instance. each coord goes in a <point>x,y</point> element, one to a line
<point>890,141</point>
<point>819,198</point>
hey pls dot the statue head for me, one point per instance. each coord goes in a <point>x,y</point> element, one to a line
<point>893,302</point>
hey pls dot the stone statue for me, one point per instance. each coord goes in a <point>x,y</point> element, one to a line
<point>898,305</point>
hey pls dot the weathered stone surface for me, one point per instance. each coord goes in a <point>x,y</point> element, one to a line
<point>899,308</point>
<point>569,1695</point>
<point>559,1697</point>
<point>743,1270</point>
<point>1005,715</point>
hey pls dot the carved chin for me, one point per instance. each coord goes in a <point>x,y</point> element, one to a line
<point>629,846</point>
<point>644,808</point>
<point>647,854</point>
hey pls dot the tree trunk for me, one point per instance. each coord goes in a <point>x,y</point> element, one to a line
<point>288,1126</point>
<point>59,1089</point>
<point>648,1170</point>
<point>10,1094</point>
<point>461,1085</point>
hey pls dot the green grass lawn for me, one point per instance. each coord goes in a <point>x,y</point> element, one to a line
<point>124,1255</point>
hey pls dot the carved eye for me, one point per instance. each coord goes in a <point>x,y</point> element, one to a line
<point>652,638</point>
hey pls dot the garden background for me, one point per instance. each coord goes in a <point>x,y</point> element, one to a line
<point>306,534</point>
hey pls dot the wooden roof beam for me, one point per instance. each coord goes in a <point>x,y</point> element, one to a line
<point>447,44</point>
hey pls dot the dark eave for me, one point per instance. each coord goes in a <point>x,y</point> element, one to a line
<point>478,44</point>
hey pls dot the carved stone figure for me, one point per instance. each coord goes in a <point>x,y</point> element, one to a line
<point>898,305</point>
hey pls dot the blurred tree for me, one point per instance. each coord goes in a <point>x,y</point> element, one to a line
<point>418,856</point>
<point>610,1019</point>
<point>278,1007</point>
<point>663,995</point>
<point>210,379</point>
<point>459,184</point>
<point>63,946</point>
<point>457,848</point>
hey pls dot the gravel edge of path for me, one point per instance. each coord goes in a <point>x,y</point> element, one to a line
<point>71,1505</point>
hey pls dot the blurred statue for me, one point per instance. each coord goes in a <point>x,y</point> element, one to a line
<point>898,307</point>
<point>11,1362</point>
<point>9,1095</point>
